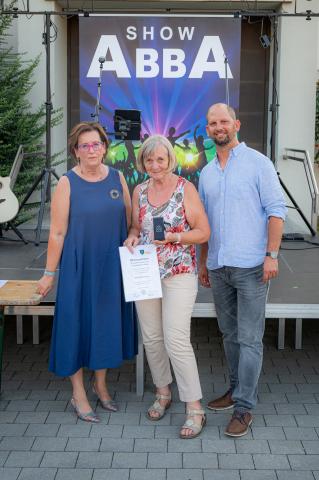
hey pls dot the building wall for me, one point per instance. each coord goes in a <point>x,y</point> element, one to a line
<point>298,73</point>
<point>317,164</point>
<point>27,39</point>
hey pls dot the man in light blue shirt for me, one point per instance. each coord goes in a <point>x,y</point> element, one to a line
<point>245,206</point>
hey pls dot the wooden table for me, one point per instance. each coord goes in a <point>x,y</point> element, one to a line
<point>16,292</point>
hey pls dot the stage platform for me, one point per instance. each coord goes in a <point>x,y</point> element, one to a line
<point>297,284</point>
<point>294,294</point>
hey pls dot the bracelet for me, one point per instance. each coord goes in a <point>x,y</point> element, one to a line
<point>179,237</point>
<point>48,273</point>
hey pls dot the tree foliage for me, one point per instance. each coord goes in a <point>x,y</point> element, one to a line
<point>19,122</point>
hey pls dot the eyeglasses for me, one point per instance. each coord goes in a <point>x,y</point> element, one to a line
<point>85,147</point>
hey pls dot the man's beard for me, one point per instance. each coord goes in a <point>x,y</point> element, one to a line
<point>222,143</point>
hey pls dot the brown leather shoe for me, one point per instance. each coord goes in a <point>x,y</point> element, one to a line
<point>221,403</point>
<point>239,424</point>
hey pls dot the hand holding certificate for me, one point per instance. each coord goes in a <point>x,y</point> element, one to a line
<point>140,272</point>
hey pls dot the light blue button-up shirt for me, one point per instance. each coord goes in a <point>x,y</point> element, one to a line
<point>238,201</point>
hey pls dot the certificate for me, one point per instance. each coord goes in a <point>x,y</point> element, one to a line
<point>140,272</point>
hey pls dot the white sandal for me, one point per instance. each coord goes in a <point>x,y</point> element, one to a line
<point>158,408</point>
<point>190,424</point>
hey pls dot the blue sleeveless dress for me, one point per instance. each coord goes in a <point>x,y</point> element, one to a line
<point>93,326</point>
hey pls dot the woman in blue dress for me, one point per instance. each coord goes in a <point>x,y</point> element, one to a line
<point>93,326</point>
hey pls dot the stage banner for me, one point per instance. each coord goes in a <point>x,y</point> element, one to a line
<point>171,68</point>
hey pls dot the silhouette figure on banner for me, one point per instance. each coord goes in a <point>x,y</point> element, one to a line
<point>172,137</point>
<point>201,149</point>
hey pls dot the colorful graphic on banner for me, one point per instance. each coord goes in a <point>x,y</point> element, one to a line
<point>170,68</point>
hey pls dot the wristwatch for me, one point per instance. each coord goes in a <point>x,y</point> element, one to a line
<point>273,255</point>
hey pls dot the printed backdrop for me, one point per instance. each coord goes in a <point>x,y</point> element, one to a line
<point>170,68</point>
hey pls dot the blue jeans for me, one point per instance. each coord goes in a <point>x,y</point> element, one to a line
<point>240,298</point>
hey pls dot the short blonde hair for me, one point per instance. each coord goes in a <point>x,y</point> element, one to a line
<point>148,148</point>
<point>83,127</point>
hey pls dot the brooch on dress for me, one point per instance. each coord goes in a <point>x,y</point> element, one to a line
<point>114,194</point>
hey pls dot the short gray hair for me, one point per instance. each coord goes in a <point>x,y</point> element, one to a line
<point>148,148</point>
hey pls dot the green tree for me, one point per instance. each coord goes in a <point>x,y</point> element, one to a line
<point>19,123</point>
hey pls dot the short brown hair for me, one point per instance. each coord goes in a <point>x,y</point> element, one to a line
<point>83,127</point>
<point>149,146</point>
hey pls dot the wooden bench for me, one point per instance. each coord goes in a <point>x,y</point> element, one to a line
<point>35,311</point>
<point>201,310</point>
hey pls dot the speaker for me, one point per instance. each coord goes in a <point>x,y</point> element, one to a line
<point>127,124</point>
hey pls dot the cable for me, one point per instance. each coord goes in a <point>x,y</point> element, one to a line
<point>251,22</point>
<point>54,35</point>
<point>26,8</point>
<point>8,239</point>
<point>309,242</point>
<point>296,249</point>
<point>48,36</point>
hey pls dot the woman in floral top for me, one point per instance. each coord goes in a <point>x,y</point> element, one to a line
<point>165,322</point>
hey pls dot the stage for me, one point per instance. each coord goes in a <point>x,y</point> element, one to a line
<point>298,281</point>
<point>294,294</point>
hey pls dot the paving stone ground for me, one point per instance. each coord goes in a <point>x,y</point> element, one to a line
<point>41,438</point>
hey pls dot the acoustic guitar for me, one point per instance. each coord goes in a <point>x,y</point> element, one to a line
<point>9,205</point>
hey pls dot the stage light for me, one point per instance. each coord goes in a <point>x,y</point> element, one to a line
<point>264,40</point>
<point>127,124</point>
<point>189,157</point>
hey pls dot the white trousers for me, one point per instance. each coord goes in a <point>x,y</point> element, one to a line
<point>165,325</point>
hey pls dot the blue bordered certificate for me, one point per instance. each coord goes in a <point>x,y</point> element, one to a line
<point>140,272</point>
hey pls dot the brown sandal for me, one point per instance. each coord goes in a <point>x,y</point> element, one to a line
<point>158,408</point>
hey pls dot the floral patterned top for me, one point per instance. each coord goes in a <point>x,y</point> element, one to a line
<point>173,258</point>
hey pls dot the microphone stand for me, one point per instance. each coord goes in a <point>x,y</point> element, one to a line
<point>47,171</point>
<point>97,109</point>
<point>124,125</point>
